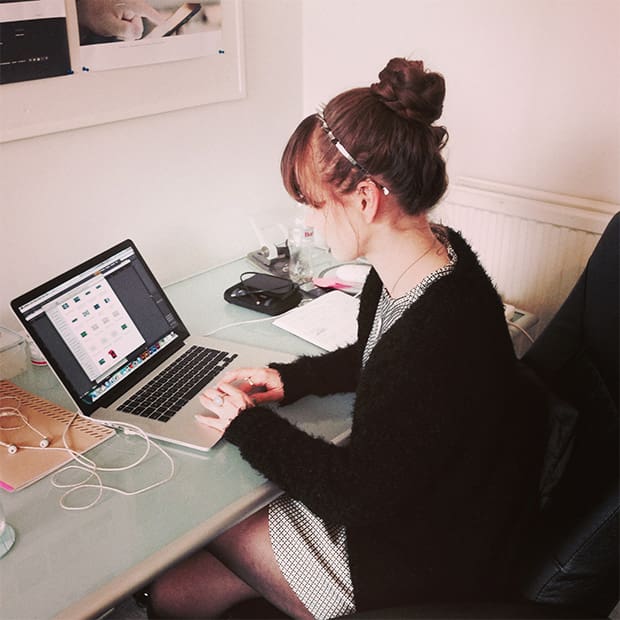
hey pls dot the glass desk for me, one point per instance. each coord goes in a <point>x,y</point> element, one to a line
<point>79,564</point>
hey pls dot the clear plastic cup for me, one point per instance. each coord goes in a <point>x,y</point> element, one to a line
<point>300,245</point>
<point>7,534</point>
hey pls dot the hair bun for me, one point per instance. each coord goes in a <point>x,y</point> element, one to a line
<point>410,91</point>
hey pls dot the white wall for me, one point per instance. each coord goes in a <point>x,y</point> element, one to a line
<point>533,86</point>
<point>533,99</point>
<point>181,184</point>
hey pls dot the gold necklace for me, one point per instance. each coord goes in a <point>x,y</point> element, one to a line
<point>418,259</point>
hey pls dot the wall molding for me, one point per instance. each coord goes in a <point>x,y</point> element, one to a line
<point>532,204</point>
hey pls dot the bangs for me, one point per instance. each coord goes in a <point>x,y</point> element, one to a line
<point>297,162</point>
<point>311,166</point>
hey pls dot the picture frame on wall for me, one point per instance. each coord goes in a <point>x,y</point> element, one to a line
<point>189,54</point>
<point>115,34</point>
<point>33,40</point>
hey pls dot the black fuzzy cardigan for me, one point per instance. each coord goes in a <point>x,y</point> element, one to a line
<point>440,475</point>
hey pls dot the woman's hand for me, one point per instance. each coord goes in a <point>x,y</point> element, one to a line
<point>238,390</point>
<point>226,402</point>
<point>263,384</point>
<point>117,18</point>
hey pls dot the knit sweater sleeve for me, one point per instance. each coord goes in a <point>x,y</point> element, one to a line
<point>336,371</point>
<point>330,373</point>
<point>442,363</point>
<point>357,484</point>
<point>301,465</point>
<point>391,438</point>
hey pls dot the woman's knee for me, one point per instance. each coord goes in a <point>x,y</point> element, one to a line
<point>199,586</point>
<point>162,598</point>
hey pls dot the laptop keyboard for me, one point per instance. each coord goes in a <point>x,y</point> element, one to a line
<point>172,388</point>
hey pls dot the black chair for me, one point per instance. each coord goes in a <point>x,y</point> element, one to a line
<point>574,559</point>
<point>570,566</point>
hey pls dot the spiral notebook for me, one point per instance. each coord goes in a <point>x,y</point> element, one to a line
<point>27,466</point>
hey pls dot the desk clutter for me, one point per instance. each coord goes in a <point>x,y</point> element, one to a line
<point>39,418</point>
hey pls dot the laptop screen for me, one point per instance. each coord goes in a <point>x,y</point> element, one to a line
<point>103,325</point>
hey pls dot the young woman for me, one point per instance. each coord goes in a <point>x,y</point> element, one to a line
<point>428,499</point>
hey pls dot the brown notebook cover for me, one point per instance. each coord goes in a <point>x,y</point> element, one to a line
<point>27,466</point>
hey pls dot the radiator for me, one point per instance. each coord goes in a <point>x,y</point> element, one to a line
<point>533,244</point>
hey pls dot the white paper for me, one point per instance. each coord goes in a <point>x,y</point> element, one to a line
<point>329,322</point>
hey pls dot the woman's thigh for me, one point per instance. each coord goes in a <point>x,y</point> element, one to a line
<point>236,566</point>
<point>246,551</point>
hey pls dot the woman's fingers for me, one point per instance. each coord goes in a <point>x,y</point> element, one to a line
<point>264,384</point>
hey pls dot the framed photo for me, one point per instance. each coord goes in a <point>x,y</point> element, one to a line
<point>178,55</point>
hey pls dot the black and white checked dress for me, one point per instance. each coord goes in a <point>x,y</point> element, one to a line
<point>311,553</point>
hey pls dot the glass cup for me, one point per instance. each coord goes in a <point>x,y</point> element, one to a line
<point>7,534</point>
<point>300,244</point>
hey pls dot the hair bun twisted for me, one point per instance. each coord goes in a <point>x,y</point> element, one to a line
<point>410,91</point>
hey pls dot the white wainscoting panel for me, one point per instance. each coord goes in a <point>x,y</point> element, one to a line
<point>533,244</point>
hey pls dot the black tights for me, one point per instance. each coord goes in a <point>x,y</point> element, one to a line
<point>236,567</point>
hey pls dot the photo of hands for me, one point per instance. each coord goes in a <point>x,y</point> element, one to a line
<point>124,33</point>
<point>110,21</point>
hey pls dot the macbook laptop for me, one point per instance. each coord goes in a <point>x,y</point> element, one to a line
<point>119,347</point>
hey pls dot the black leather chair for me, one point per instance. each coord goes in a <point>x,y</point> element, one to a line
<point>570,566</point>
<point>574,555</point>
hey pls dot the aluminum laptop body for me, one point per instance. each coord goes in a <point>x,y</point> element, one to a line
<point>106,328</point>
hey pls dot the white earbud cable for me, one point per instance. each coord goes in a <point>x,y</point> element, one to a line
<point>85,464</point>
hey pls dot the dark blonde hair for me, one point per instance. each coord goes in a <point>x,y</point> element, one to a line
<point>387,129</point>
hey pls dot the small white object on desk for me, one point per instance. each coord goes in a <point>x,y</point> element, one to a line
<point>329,321</point>
<point>349,277</point>
<point>36,357</point>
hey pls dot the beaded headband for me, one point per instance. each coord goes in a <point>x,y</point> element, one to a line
<point>343,150</point>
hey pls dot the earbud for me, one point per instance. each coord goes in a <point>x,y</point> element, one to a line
<point>11,447</point>
<point>14,412</point>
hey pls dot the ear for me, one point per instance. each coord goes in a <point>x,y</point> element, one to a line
<point>369,197</point>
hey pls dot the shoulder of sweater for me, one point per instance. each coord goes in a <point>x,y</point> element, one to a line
<point>467,291</point>
<point>467,257</point>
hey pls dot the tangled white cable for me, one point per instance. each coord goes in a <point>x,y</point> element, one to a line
<point>525,333</point>
<point>13,411</point>
<point>89,467</point>
<point>85,464</point>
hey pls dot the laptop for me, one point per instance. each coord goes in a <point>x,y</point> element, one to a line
<point>116,343</point>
